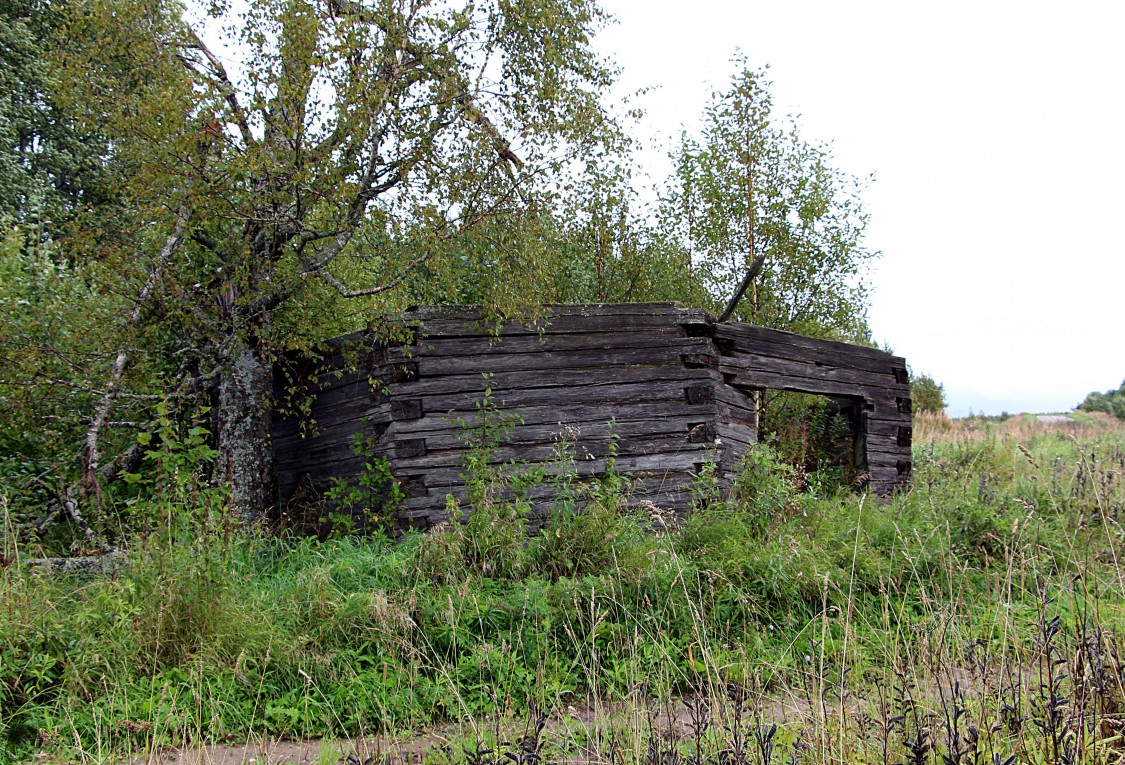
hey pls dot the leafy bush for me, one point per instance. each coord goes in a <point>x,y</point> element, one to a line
<point>764,489</point>
<point>598,538</point>
<point>927,394</point>
<point>1111,402</point>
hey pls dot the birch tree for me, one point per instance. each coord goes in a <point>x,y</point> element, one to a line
<point>247,169</point>
<point>750,186</point>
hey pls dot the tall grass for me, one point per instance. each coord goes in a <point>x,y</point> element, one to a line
<point>977,617</point>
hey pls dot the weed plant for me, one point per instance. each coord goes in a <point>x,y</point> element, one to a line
<point>977,618</point>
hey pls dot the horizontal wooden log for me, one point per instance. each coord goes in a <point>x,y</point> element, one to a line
<point>356,416</point>
<point>310,450</point>
<point>337,372</point>
<point>571,433</point>
<point>341,433</point>
<point>735,399</point>
<point>884,459</point>
<point>628,408</point>
<point>294,433</point>
<point>316,456</point>
<point>832,360</point>
<point>296,367</point>
<point>889,440</point>
<point>506,345</point>
<point>886,455</point>
<point>586,450</point>
<point>745,429</point>
<point>784,344</point>
<point>327,411</point>
<point>501,382</point>
<point>609,396</point>
<point>860,379</point>
<point>889,415</point>
<point>363,389</point>
<point>888,428</point>
<point>753,379</point>
<point>438,479</point>
<point>312,484</point>
<point>737,431</point>
<point>628,420</point>
<point>540,362</point>
<point>890,409</point>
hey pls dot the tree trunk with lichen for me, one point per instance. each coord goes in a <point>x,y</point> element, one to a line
<point>243,417</point>
<point>270,182</point>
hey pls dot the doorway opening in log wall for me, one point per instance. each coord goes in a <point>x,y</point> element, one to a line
<point>816,434</point>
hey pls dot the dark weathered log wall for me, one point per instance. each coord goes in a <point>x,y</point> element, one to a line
<point>639,380</point>
<point>660,388</point>
<point>875,382</point>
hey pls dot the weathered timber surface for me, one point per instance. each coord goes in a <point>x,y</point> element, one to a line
<point>656,390</point>
<point>875,381</point>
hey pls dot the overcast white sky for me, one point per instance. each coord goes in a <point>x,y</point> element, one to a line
<point>995,131</point>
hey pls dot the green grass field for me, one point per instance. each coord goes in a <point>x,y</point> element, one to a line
<point>977,618</point>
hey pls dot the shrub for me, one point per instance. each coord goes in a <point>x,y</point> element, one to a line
<point>765,488</point>
<point>927,395</point>
<point>1111,402</point>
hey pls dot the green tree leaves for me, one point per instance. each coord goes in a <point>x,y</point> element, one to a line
<point>50,169</point>
<point>246,181</point>
<point>747,186</point>
<point>325,164</point>
<point>927,394</point>
<point>1111,402</point>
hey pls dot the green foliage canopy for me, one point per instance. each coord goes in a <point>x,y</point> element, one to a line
<point>243,183</point>
<point>50,169</point>
<point>1111,402</point>
<point>748,186</point>
<point>592,243</point>
<point>927,394</point>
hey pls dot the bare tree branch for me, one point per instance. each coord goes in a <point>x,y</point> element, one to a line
<point>101,414</point>
<point>86,389</point>
<point>402,276</point>
<point>475,115</point>
<point>66,501</point>
<point>226,87</point>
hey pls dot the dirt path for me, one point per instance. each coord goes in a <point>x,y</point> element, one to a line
<point>581,731</point>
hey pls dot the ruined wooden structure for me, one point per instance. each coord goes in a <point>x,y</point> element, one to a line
<point>659,389</point>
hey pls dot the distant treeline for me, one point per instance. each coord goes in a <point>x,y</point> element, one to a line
<point>1110,402</point>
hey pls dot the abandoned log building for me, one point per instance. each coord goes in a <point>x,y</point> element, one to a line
<point>660,389</point>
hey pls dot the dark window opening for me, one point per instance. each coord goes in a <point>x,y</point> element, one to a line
<point>816,434</point>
